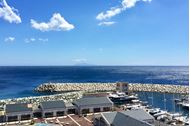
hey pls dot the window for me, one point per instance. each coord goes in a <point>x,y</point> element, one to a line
<point>12,118</point>
<point>85,111</point>
<point>106,109</point>
<point>71,111</point>
<point>96,109</point>
<point>25,117</point>
<point>60,113</point>
<point>37,114</point>
<point>48,114</point>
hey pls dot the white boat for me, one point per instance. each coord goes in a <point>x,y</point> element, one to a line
<point>185,105</point>
<point>154,111</point>
<point>179,103</point>
<point>133,106</point>
<point>187,122</point>
<point>175,114</point>
<point>132,96</point>
<point>161,117</point>
<point>135,101</point>
<point>180,118</point>
<point>120,93</point>
<point>160,113</point>
<point>121,96</point>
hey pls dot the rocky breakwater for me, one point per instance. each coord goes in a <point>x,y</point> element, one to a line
<point>163,88</point>
<point>93,87</point>
<point>65,87</point>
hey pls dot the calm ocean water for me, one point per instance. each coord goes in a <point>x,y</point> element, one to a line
<point>20,81</point>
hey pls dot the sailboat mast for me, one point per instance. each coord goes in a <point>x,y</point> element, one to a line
<point>152,99</point>
<point>152,92</point>
<point>179,105</point>
<point>164,101</point>
<point>173,103</point>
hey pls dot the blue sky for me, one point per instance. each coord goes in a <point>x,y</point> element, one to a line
<point>98,32</point>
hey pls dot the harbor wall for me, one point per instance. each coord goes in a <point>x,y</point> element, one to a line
<point>91,87</point>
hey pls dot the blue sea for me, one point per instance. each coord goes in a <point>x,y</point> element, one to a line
<point>20,81</point>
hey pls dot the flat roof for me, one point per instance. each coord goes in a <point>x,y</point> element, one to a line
<point>22,107</point>
<point>85,101</point>
<point>53,104</point>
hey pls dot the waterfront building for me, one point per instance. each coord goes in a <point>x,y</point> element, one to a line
<point>53,108</point>
<point>124,118</point>
<point>56,108</point>
<point>18,112</point>
<point>122,87</point>
<point>93,104</point>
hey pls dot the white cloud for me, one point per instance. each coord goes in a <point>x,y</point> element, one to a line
<point>128,3</point>
<point>125,4</point>
<point>56,23</point>
<point>8,13</point>
<point>108,14</point>
<point>28,40</point>
<point>106,23</point>
<point>9,39</point>
<point>43,39</point>
<point>32,39</point>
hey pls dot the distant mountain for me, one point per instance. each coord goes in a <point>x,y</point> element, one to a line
<point>84,64</point>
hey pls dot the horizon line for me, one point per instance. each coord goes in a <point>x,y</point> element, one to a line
<point>84,65</point>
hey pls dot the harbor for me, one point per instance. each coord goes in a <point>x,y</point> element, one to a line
<point>77,106</point>
<point>94,63</point>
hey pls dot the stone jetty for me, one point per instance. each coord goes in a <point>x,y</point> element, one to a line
<point>64,87</point>
<point>100,87</point>
<point>163,88</point>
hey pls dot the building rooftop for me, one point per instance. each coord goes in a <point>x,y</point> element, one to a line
<point>126,117</point>
<point>85,101</point>
<point>53,104</point>
<point>138,114</point>
<point>110,116</point>
<point>23,107</point>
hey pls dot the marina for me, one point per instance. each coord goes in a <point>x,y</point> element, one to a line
<point>83,103</point>
<point>94,63</point>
